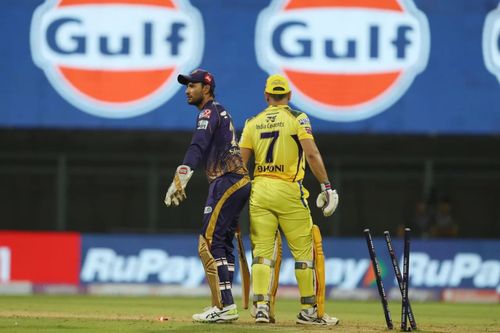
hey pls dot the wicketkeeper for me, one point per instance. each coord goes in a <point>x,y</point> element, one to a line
<point>215,147</point>
<point>281,140</point>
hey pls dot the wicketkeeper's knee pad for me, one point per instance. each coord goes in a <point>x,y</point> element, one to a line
<point>211,272</point>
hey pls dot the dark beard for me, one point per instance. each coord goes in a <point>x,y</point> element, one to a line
<point>196,102</point>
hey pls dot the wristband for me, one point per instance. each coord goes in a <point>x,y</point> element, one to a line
<point>326,186</point>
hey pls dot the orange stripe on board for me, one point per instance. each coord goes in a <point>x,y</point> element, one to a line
<point>116,86</point>
<point>159,3</point>
<point>369,276</point>
<point>342,89</point>
<point>376,4</point>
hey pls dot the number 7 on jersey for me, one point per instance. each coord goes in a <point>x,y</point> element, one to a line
<point>270,135</point>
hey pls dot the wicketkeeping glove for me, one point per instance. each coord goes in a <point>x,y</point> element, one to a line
<point>176,192</point>
<point>328,199</point>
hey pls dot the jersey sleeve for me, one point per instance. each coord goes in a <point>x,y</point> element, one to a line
<point>206,124</point>
<point>246,136</point>
<point>304,130</point>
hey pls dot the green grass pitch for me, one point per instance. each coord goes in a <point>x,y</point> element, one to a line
<point>88,314</point>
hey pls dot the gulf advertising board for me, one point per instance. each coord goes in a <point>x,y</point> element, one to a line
<point>103,263</point>
<point>388,66</point>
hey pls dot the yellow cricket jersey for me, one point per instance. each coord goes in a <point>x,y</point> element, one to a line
<point>274,136</point>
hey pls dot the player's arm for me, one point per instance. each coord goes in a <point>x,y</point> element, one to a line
<point>246,146</point>
<point>328,198</point>
<point>205,127</point>
<point>246,153</point>
<point>311,151</point>
<point>314,160</point>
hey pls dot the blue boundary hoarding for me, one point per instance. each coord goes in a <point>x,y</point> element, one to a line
<point>434,264</point>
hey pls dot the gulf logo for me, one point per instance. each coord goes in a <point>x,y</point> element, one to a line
<point>116,58</point>
<point>491,42</point>
<point>346,60</point>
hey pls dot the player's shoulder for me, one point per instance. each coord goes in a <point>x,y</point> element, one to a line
<point>249,119</point>
<point>248,123</point>
<point>256,117</point>
<point>219,108</point>
<point>214,110</point>
<point>297,114</point>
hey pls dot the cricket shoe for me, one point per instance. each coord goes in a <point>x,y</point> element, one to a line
<point>310,317</point>
<point>262,314</point>
<point>215,315</point>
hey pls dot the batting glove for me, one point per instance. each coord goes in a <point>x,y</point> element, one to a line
<point>328,199</point>
<point>176,192</point>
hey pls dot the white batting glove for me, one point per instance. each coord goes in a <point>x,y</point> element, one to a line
<point>328,199</point>
<point>176,192</point>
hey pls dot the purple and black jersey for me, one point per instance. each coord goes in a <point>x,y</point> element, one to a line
<point>214,143</point>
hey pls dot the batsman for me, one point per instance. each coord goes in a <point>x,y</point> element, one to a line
<point>281,140</point>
